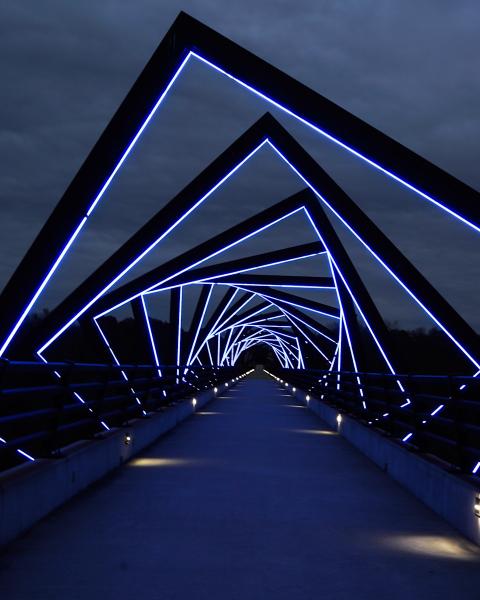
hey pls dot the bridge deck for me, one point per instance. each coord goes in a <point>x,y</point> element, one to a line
<point>252,498</point>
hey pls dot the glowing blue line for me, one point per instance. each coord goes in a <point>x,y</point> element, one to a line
<point>372,333</point>
<point>437,410</point>
<point>270,328</point>
<point>124,375</point>
<point>286,348</point>
<point>156,286</point>
<point>25,455</point>
<point>287,357</point>
<point>209,353</point>
<point>300,357</point>
<point>266,295</point>
<point>41,288</point>
<point>150,247</point>
<point>18,450</point>
<point>129,148</point>
<point>138,134</point>
<point>283,347</point>
<point>296,318</point>
<point>293,319</point>
<point>264,321</point>
<point>275,285</point>
<point>407,437</point>
<point>271,334</point>
<point>476,468</point>
<point>150,335</point>
<point>237,336</point>
<point>347,333</point>
<point>372,252</point>
<point>75,394</point>
<point>224,311</point>
<point>241,320</point>
<point>290,318</point>
<point>226,346</point>
<point>253,338</point>
<point>216,253</point>
<point>179,331</point>
<point>90,210</point>
<point>462,387</point>
<point>336,141</point>
<point>262,266</point>
<point>200,325</point>
<point>242,306</point>
<point>339,357</point>
<point>330,368</point>
<point>279,357</point>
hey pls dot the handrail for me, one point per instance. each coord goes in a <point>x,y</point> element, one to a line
<point>437,415</point>
<point>46,406</point>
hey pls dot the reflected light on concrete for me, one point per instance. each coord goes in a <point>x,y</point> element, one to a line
<point>315,431</point>
<point>434,546</point>
<point>160,462</point>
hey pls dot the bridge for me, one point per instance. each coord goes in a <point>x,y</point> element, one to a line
<point>327,469</point>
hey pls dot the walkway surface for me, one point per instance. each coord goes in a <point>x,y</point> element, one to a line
<point>252,498</point>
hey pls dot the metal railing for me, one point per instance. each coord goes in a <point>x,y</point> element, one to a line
<point>436,415</point>
<point>44,407</point>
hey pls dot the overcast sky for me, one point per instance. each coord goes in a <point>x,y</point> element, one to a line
<point>409,67</point>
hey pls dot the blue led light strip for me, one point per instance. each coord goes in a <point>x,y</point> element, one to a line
<point>266,296</point>
<point>117,362</point>
<point>197,332</point>
<point>292,319</point>
<point>160,285</point>
<point>73,237</point>
<point>211,279</point>
<point>19,451</point>
<point>373,253</point>
<point>179,331</point>
<point>135,139</point>
<point>347,332</point>
<point>149,248</point>
<point>369,327</point>
<point>76,395</point>
<point>336,141</point>
<point>150,335</point>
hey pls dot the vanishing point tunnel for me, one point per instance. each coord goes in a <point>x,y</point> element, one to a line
<point>265,440</point>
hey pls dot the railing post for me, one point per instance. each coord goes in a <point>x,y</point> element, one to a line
<point>387,403</point>
<point>456,412</point>
<point>102,392</point>
<point>59,403</point>
<point>4,364</point>
<point>415,413</point>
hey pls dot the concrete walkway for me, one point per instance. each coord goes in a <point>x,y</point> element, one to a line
<point>252,498</point>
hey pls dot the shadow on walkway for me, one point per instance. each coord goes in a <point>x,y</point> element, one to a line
<point>252,498</point>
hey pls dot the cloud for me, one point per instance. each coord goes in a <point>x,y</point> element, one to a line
<point>408,68</point>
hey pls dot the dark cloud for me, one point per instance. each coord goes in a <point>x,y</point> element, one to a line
<point>409,68</point>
